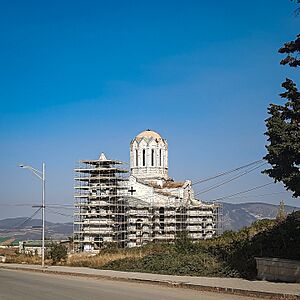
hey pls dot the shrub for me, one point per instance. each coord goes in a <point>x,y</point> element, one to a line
<point>230,255</point>
<point>58,253</point>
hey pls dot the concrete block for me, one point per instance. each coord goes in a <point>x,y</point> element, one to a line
<point>275,269</point>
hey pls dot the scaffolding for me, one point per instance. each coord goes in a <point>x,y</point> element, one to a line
<point>105,211</point>
<point>199,221</point>
<point>219,219</point>
<point>203,220</point>
<point>100,204</point>
<point>163,222</point>
<point>139,222</point>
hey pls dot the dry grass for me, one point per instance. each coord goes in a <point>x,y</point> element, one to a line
<point>106,256</point>
<point>13,256</point>
<point>87,260</point>
<point>24,259</point>
<point>8,251</point>
<point>74,260</point>
<point>8,242</point>
<point>97,261</point>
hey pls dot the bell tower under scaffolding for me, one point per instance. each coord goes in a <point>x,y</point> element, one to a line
<point>100,204</point>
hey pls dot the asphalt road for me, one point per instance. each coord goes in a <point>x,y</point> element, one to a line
<point>21,285</point>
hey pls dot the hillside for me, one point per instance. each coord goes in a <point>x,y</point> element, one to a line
<point>230,255</point>
<point>237,216</point>
<point>21,228</point>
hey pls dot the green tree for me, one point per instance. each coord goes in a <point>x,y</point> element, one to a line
<point>283,131</point>
<point>283,127</point>
<point>58,252</point>
<point>292,49</point>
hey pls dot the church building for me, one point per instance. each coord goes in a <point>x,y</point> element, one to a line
<point>146,206</point>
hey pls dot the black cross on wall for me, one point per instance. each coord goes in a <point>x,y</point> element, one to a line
<point>131,191</point>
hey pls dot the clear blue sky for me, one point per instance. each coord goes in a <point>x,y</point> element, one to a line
<point>81,77</point>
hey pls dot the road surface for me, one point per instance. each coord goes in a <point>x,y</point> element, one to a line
<point>23,285</point>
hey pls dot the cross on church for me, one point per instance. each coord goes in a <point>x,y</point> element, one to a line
<point>131,191</point>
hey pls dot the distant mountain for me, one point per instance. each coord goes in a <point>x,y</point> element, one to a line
<point>24,229</point>
<point>21,222</point>
<point>237,216</point>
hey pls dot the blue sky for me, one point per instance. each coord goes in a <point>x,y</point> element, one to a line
<point>81,77</point>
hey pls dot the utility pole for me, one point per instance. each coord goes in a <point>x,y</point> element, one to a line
<point>41,175</point>
<point>43,216</point>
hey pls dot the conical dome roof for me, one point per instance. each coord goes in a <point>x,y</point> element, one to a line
<point>148,134</point>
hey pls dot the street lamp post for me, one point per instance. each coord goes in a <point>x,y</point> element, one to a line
<point>40,175</point>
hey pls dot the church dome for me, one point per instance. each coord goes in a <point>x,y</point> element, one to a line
<point>148,134</point>
<point>149,156</point>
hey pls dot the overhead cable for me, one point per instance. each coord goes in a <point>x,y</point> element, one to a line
<point>229,180</point>
<point>28,219</point>
<point>242,192</point>
<point>227,172</point>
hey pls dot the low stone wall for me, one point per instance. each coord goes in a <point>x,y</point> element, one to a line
<point>276,269</point>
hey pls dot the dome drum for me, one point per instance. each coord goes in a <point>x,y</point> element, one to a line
<point>149,156</point>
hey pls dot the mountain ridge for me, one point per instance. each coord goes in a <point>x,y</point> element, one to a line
<point>239,215</point>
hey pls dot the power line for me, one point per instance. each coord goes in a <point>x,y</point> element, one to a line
<point>229,180</point>
<point>227,172</point>
<point>28,219</point>
<point>14,205</point>
<point>66,206</point>
<point>243,192</point>
<point>254,196</point>
<point>62,207</point>
<point>58,204</point>
<point>58,213</point>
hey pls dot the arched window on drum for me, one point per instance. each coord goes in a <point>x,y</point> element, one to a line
<point>144,157</point>
<point>152,157</point>
<point>136,157</point>
<point>160,158</point>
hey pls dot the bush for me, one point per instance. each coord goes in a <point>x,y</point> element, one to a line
<point>230,255</point>
<point>175,264</point>
<point>58,253</point>
<point>183,243</point>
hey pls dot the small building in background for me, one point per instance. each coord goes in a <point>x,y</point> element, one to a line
<point>34,247</point>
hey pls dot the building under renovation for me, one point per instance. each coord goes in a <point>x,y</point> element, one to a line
<point>143,206</point>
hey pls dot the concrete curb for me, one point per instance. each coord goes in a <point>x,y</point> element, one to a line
<point>175,284</point>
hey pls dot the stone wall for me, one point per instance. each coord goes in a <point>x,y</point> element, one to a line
<point>275,269</point>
